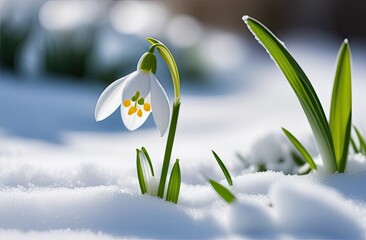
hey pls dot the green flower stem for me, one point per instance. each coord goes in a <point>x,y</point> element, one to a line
<point>169,147</point>
<point>170,62</point>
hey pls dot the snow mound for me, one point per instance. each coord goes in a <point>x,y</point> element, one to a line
<point>311,211</point>
<point>108,209</point>
<point>299,209</point>
<point>251,218</point>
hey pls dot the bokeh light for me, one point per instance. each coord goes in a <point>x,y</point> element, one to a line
<point>65,15</point>
<point>139,17</point>
<point>223,50</point>
<point>178,28</point>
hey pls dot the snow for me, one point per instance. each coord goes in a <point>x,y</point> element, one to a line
<point>309,211</point>
<point>64,176</point>
<point>55,234</point>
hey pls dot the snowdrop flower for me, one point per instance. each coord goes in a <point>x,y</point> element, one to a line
<point>138,94</point>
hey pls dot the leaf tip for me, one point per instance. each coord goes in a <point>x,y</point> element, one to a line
<point>245,18</point>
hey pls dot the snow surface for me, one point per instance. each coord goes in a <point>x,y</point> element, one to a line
<point>64,176</point>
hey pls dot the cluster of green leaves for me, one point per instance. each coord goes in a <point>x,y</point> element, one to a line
<point>145,172</point>
<point>332,137</point>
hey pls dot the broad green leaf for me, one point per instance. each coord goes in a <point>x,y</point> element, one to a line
<point>143,149</point>
<point>341,107</point>
<point>223,168</point>
<point>361,141</point>
<point>222,191</point>
<point>302,88</point>
<point>172,194</point>
<point>140,174</point>
<point>169,59</point>
<point>305,154</point>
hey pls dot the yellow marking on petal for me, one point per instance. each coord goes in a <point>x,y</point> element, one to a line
<point>126,103</point>
<point>139,113</point>
<point>132,110</point>
<point>147,107</point>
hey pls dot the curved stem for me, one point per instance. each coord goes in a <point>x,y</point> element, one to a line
<point>168,148</point>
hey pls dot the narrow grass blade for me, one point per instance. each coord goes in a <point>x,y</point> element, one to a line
<point>223,168</point>
<point>300,148</point>
<point>361,141</point>
<point>172,194</point>
<point>302,88</point>
<point>169,59</point>
<point>341,106</point>
<point>222,191</point>
<point>143,149</point>
<point>354,147</point>
<point>140,174</point>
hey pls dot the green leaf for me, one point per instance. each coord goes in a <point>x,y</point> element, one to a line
<point>140,174</point>
<point>222,191</point>
<point>169,59</point>
<point>223,168</point>
<point>302,88</point>
<point>261,167</point>
<point>172,194</point>
<point>361,141</point>
<point>354,147</point>
<point>143,149</point>
<point>341,107</point>
<point>300,148</point>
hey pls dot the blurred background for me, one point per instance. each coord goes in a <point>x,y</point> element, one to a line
<point>51,47</point>
<point>100,40</point>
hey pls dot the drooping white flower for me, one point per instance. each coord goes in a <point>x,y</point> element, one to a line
<point>138,94</point>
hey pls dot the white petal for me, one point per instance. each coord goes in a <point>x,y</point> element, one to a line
<point>133,122</point>
<point>159,105</point>
<point>110,99</point>
<point>140,82</point>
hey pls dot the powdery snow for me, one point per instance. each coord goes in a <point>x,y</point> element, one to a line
<point>297,206</point>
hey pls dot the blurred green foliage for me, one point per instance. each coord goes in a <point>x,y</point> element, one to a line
<point>74,53</point>
<point>12,39</point>
<point>68,53</point>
